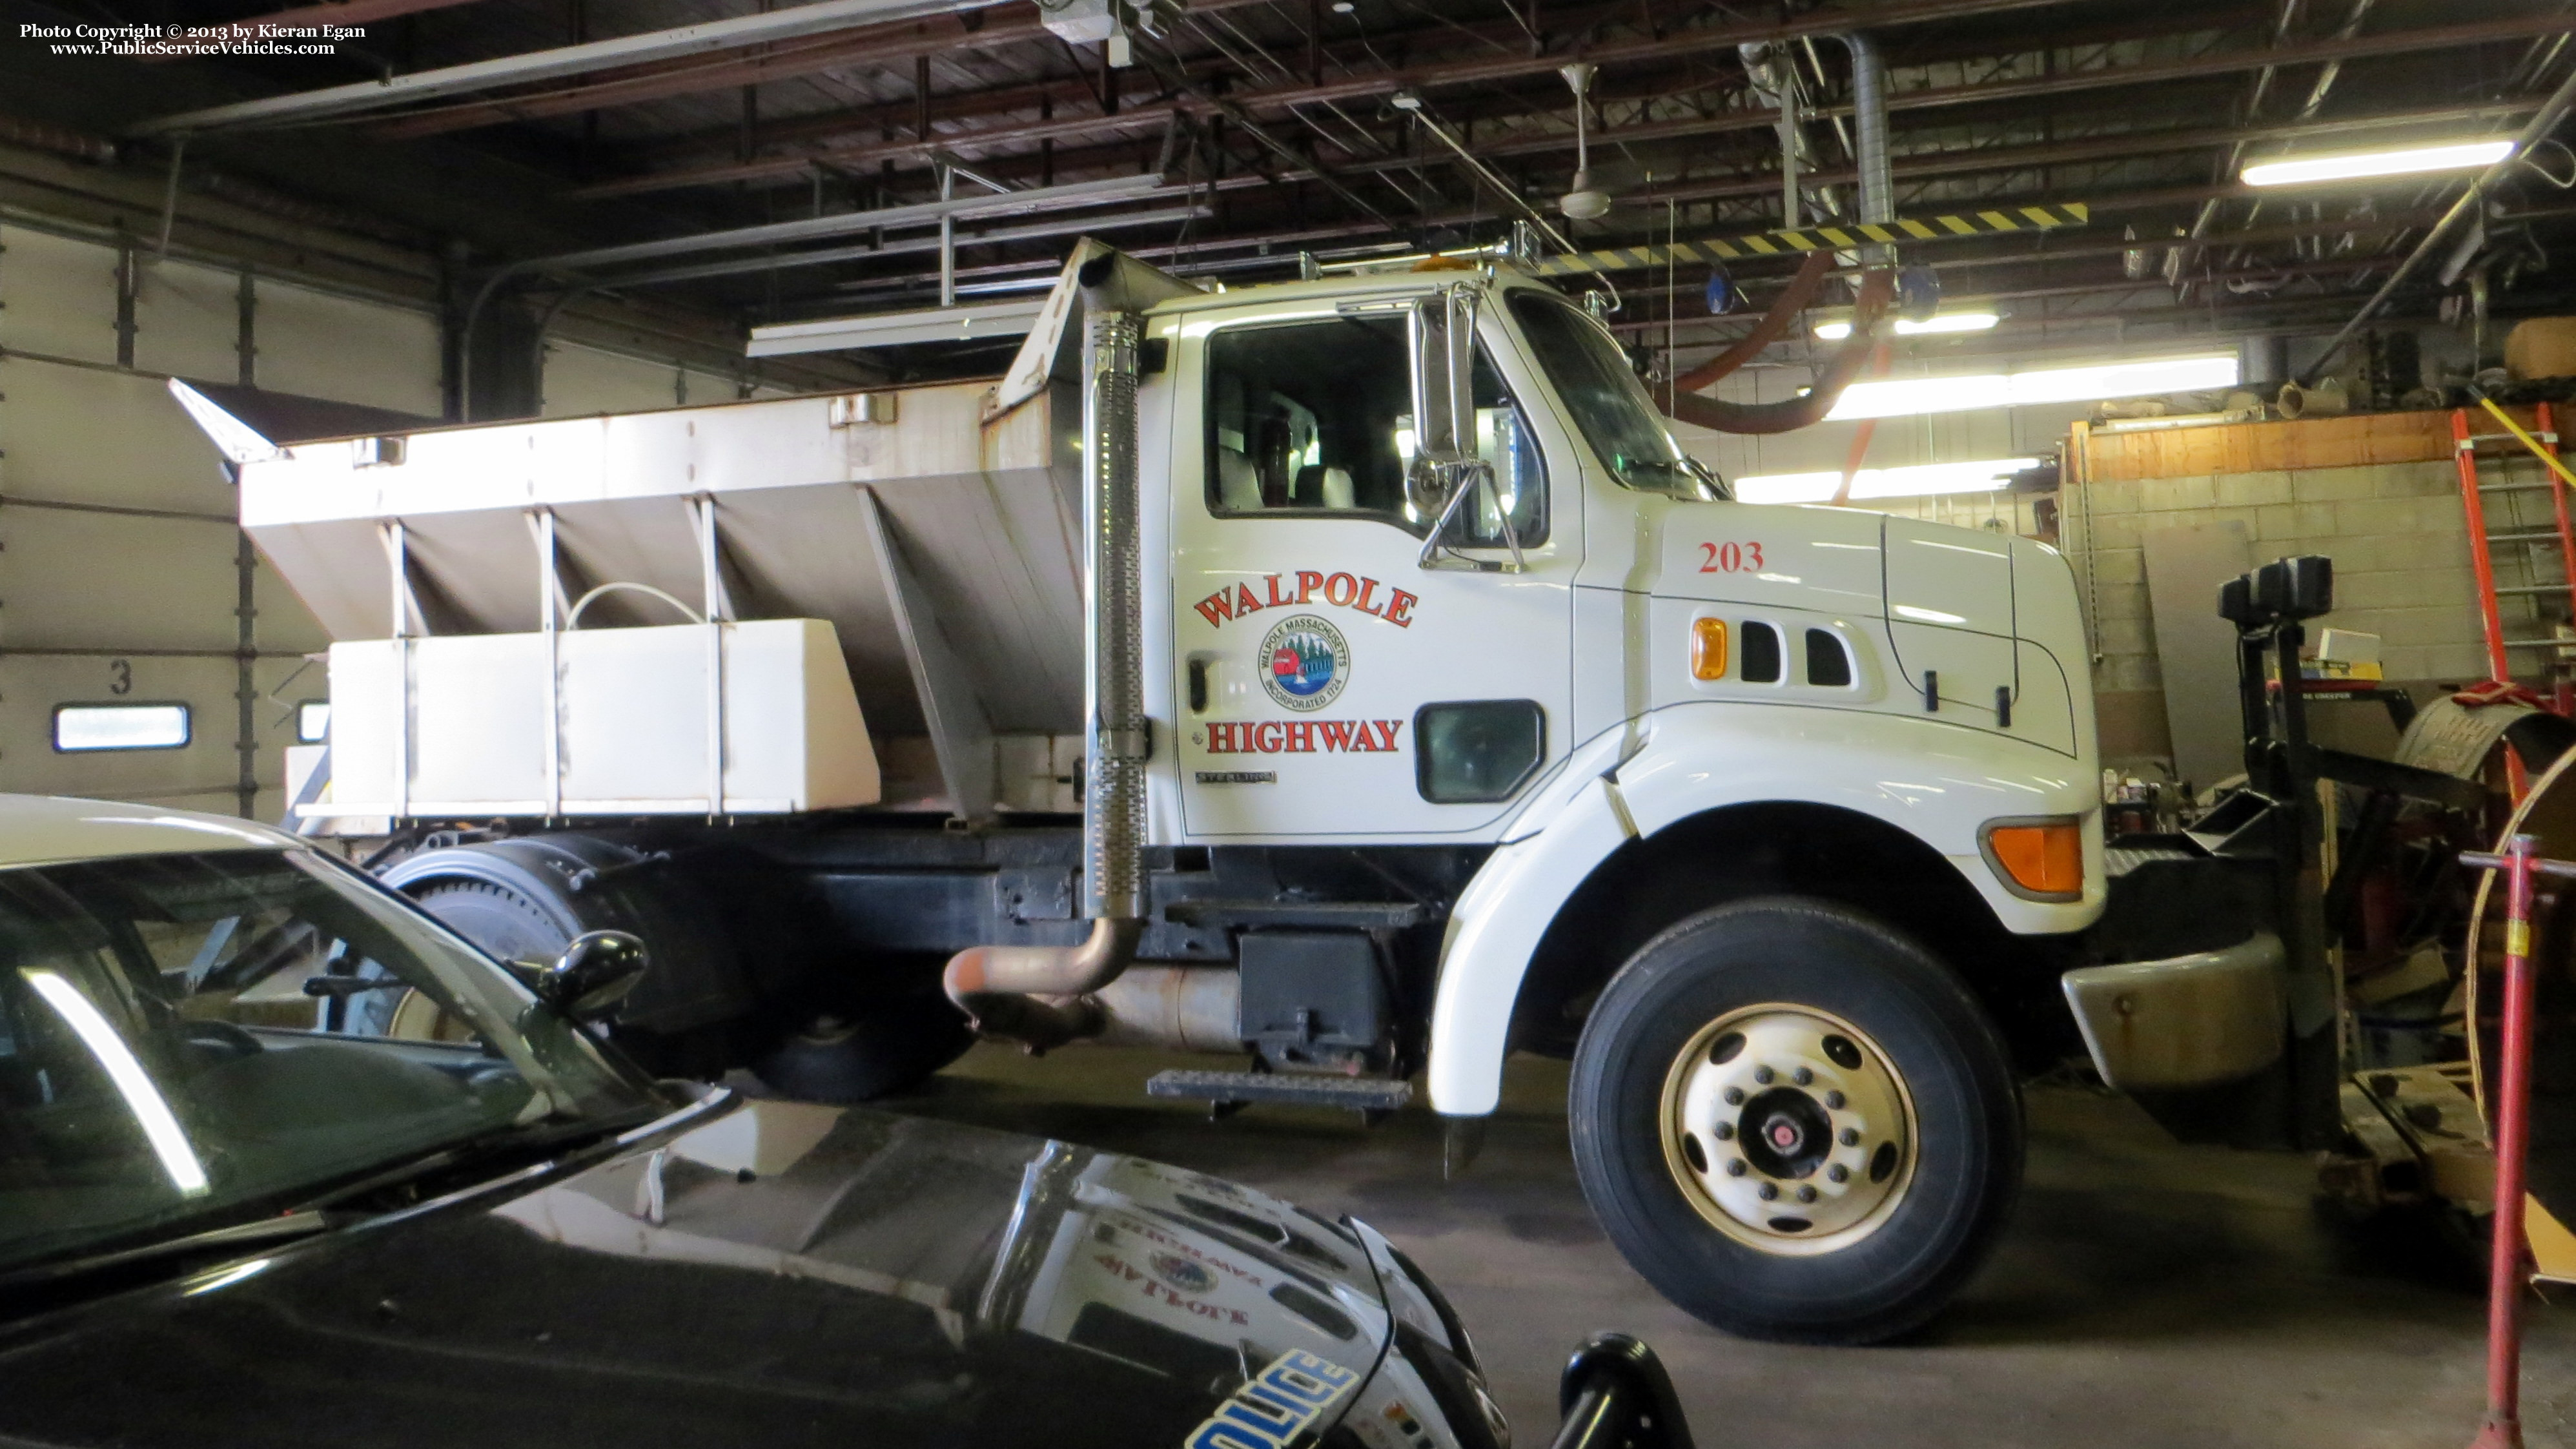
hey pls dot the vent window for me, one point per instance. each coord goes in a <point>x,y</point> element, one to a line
<point>1761,652</point>
<point>1828,662</point>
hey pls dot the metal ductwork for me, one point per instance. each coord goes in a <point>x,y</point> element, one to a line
<point>1869,134</point>
<point>1035,994</point>
<point>1877,289</point>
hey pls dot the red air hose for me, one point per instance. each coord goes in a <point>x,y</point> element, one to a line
<point>1877,288</point>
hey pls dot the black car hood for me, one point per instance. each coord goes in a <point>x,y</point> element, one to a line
<point>781,1274</point>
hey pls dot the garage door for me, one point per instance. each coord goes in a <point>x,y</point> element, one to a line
<point>145,653</point>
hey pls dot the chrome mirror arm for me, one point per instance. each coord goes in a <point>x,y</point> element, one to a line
<point>1460,486</point>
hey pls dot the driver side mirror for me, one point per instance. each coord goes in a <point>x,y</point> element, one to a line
<point>1446,468</point>
<point>1442,331</point>
<point>593,974</point>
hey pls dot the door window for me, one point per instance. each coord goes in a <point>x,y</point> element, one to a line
<point>1314,418</point>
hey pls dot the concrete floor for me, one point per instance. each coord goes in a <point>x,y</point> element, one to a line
<point>2146,1294</point>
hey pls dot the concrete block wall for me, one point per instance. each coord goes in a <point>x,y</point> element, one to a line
<point>2396,531</point>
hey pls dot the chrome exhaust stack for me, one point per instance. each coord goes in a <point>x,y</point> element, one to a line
<point>1036,994</point>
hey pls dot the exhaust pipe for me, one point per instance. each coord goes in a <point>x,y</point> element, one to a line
<point>1034,994</point>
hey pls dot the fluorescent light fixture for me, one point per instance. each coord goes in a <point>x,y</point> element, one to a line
<point>2349,165</point>
<point>144,1100</point>
<point>1905,397</point>
<point>1984,476</point>
<point>1908,327</point>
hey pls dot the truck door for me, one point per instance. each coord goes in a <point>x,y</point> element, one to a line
<point>1328,683</point>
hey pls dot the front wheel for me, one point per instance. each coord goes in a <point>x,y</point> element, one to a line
<point>1795,1123</point>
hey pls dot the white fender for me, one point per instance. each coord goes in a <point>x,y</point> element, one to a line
<point>1554,843</point>
<point>1936,782</point>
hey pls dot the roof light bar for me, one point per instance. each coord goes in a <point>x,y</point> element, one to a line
<point>2352,165</point>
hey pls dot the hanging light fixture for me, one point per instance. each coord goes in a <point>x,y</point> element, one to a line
<point>1583,203</point>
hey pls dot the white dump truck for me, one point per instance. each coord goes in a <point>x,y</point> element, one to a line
<point>1351,675</point>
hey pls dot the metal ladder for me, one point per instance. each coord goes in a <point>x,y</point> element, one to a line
<point>2532,545</point>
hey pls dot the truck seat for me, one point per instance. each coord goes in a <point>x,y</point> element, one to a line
<point>1238,486</point>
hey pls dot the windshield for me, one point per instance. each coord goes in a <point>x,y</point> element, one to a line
<point>1608,403</point>
<point>188,1041</point>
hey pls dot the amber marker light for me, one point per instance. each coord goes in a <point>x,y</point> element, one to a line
<point>1708,648</point>
<point>2040,860</point>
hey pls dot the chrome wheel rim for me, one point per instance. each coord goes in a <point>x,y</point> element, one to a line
<point>1789,1129</point>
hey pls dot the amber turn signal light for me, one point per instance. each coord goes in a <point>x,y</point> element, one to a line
<point>1708,648</point>
<point>2041,859</point>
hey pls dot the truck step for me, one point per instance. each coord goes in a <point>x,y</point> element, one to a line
<point>1229,1092</point>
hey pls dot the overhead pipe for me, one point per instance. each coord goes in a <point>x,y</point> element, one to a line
<point>1877,289</point>
<point>1036,994</point>
<point>60,140</point>
<point>1869,124</point>
<point>2551,113</point>
<point>680,42</point>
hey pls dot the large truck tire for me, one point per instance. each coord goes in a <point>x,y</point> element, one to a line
<point>1795,1122</point>
<point>889,1046</point>
<point>524,899</point>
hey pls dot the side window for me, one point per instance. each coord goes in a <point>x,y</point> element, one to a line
<point>1761,653</point>
<point>1315,417</point>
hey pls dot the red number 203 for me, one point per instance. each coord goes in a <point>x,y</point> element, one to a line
<point>1729,558</point>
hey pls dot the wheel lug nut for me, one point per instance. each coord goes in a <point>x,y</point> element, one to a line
<point>1802,1076</point>
<point>1838,1173</point>
<point>1834,1101</point>
<point>1768,1191</point>
<point>1735,1096</point>
<point>1723,1131</point>
<point>1764,1075</point>
<point>1735,1167</point>
<point>1806,1193</point>
<point>1849,1137</point>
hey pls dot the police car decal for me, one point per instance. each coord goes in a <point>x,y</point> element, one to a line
<point>1277,1405</point>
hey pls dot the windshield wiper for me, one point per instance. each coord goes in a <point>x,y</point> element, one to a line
<point>537,1138</point>
<point>352,985</point>
<point>259,1231</point>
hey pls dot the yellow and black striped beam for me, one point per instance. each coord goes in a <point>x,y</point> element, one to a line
<point>1792,241</point>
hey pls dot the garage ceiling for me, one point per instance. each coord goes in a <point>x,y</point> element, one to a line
<point>1275,127</point>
